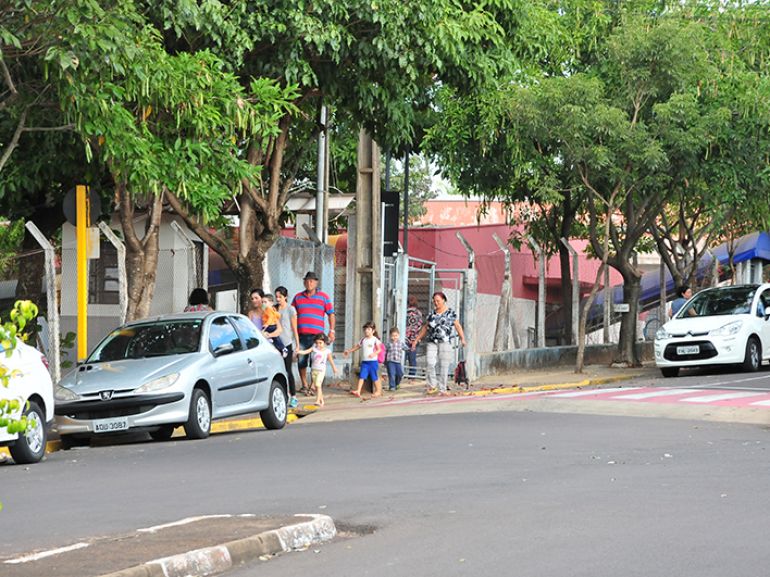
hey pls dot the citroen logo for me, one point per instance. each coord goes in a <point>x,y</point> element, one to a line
<point>106,395</point>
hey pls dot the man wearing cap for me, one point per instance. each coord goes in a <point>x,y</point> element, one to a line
<point>311,305</point>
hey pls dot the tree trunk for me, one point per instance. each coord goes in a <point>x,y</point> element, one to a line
<point>141,253</point>
<point>581,344</point>
<point>627,353</point>
<point>566,294</point>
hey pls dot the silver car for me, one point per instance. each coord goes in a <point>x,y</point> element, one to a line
<point>174,370</point>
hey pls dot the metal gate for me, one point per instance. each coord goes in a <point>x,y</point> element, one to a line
<point>423,280</point>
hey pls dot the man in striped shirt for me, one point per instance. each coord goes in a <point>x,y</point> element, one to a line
<point>311,306</point>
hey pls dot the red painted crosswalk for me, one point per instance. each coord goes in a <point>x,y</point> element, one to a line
<point>722,397</point>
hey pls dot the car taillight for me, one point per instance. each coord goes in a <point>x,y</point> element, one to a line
<point>45,362</point>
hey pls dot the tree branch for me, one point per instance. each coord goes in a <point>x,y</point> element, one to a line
<point>202,231</point>
<point>62,128</point>
<point>9,82</point>
<point>14,140</point>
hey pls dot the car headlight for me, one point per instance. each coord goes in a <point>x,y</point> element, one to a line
<point>64,394</point>
<point>662,334</point>
<point>157,384</point>
<point>728,330</point>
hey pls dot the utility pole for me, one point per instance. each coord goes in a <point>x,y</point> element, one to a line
<point>365,257</point>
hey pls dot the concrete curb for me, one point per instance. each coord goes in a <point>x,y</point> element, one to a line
<point>210,560</point>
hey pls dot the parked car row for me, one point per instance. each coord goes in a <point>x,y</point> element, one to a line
<point>152,375</point>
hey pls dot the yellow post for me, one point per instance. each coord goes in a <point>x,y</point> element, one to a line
<point>83,218</point>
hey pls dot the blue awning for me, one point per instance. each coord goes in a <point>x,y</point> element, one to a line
<point>752,246</point>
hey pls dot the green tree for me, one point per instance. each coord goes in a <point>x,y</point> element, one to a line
<point>92,83</point>
<point>491,146</point>
<point>41,157</point>
<point>623,127</point>
<point>421,184</point>
<point>720,190</point>
<point>374,64</point>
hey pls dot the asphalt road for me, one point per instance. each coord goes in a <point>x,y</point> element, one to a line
<point>455,494</point>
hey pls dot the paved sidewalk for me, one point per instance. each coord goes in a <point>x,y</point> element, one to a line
<point>338,397</point>
<point>187,548</point>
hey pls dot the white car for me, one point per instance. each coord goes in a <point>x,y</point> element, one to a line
<point>718,326</point>
<point>30,383</point>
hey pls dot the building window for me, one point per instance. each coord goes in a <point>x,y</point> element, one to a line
<point>103,281</point>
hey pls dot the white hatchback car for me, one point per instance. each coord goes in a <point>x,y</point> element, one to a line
<point>31,384</point>
<point>718,326</point>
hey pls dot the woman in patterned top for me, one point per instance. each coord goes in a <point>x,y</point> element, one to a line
<point>439,327</point>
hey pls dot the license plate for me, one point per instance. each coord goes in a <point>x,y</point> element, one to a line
<point>111,425</point>
<point>688,350</point>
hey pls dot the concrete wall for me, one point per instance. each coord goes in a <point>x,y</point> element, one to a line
<point>290,258</point>
<point>511,361</point>
<point>487,307</point>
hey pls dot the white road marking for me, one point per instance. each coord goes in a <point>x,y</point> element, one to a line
<point>593,392</point>
<point>44,554</point>
<point>722,397</point>
<point>653,394</point>
<point>722,384</point>
<point>181,522</point>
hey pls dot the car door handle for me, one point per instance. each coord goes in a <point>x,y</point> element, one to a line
<point>251,362</point>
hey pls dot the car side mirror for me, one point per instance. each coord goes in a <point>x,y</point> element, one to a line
<point>224,349</point>
<point>767,316</point>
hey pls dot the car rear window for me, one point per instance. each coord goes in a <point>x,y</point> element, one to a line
<point>149,340</point>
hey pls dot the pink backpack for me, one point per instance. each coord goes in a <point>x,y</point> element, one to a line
<point>381,354</point>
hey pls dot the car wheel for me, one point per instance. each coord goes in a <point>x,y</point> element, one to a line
<point>30,447</point>
<point>198,425</point>
<point>164,433</point>
<point>753,358</point>
<point>670,371</point>
<point>274,416</point>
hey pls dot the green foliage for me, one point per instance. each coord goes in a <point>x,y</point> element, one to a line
<point>22,313</point>
<point>10,331</point>
<point>11,236</point>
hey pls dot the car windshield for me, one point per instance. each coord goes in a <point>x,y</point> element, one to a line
<point>724,301</point>
<point>156,339</point>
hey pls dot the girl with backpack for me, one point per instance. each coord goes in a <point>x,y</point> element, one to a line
<point>372,350</point>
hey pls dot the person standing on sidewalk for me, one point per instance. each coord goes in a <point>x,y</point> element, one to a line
<point>439,328</point>
<point>312,305</point>
<point>290,338</point>
<point>371,347</point>
<point>319,355</point>
<point>413,326</point>
<point>394,359</point>
<point>255,312</point>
